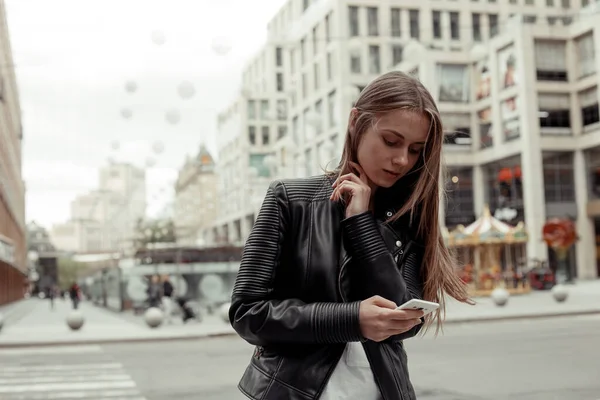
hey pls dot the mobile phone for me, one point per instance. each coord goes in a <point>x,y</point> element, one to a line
<point>419,305</point>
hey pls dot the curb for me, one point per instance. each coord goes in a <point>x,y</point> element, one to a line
<point>226,334</point>
<point>522,316</point>
<point>114,341</point>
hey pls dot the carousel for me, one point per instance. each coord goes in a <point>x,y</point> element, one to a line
<point>493,254</point>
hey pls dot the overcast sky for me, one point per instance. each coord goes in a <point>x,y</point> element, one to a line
<point>73,59</point>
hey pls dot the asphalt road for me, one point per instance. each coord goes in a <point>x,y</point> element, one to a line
<point>550,359</point>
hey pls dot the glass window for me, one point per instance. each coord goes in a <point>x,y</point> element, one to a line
<point>554,110</point>
<point>559,179</point>
<point>397,51</point>
<point>252,134</point>
<point>251,109</point>
<point>459,197</point>
<point>332,109</point>
<point>454,26</point>
<point>453,83</point>
<point>586,55</point>
<point>551,60</point>
<point>457,129</point>
<point>374,60</point>
<point>437,24</point>
<point>413,16</point>
<point>395,22</point>
<point>476,21</point>
<point>353,21</point>
<point>373,21</point>
<point>588,102</point>
<point>592,158</point>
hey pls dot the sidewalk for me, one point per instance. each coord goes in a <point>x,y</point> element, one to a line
<point>42,326</point>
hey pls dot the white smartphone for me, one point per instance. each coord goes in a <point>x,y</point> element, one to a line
<point>419,305</point>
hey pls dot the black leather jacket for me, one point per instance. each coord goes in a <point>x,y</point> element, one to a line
<point>303,273</point>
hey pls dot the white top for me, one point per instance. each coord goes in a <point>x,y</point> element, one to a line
<point>352,377</point>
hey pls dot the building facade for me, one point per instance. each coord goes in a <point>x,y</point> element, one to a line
<point>13,264</point>
<point>195,206</point>
<point>105,219</point>
<point>333,48</point>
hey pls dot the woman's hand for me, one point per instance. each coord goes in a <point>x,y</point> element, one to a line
<point>379,319</point>
<point>354,189</point>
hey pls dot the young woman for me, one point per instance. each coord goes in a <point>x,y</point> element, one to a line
<point>331,257</point>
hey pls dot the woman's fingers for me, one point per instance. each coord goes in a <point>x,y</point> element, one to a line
<point>347,177</point>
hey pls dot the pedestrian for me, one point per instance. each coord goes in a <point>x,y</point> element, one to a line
<point>75,295</point>
<point>51,295</point>
<point>167,298</point>
<point>154,291</point>
<point>329,259</point>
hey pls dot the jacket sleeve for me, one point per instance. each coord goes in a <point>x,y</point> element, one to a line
<point>378,269</point>
<point>262,316</point>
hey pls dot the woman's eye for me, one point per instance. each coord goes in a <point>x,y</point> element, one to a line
<point>415,151</point>
<point>388,142</point>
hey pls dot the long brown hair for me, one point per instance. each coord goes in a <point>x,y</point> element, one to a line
<point>393,91</point>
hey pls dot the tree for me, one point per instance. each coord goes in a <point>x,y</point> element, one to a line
<point>154,231</point>
<point>68,272</point>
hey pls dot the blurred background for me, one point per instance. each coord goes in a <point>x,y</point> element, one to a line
<point>138,138</point>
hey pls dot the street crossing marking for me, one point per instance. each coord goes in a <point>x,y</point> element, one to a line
<point>77,373</point>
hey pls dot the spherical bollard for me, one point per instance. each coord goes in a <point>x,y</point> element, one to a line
<point>224,312</point>
<point>75,320</point>
<point>153,317</point>
<point>500,296</point>
<point>560,293</point>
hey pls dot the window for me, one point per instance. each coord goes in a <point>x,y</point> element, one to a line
<point>315,40</point>
<point>505,185</point>
<point>281,131</point>
<point>281,110</point>
<point>332,109</point>
<point>395,22</point>
<point>327,29</point>
<point>454,26</point>
<point>302,51</point>
<point>279,78</point>
<point>296,130</point>
<point>460,208</point>
<point>559,178</point>
<point>264,109</point>
<point>511,123</point>
<point>554,110</point>
<point>592,158</point>
<point>586,55</point>
<point>550,60</point>
<point>252,134</point>
<point>316,75</point>
<point>437,24</point>
<point>309,131</point>
<point>329,67</point>
<point>309,162</point>
<point>304,85</point>
<point>453,83</point>
<point>374,60</point>
<point>457,129</point>
<point>353,21</point>
<point>485,128</point>
<point>493,21</point>
<point>305,4</point>
<point>355,63</point>
<point>251,109</point>
<point>413,16</point>
<point>278,56</point>
<point>396,54</point>
<point>265,135</point>
<point>476,21</point>
<point>373,21</point>
<point>293,61</point>
<point>319,112</point>
<point>588,102</point>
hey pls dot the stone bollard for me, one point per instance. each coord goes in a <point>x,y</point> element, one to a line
<point>560,293</point>
<point>500,296</point>
<point>153,317</point>
<point>75,320</point>
<point>224,312</point>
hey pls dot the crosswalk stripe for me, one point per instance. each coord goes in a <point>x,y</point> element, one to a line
<point>51,350</point>
<point>129,394</point>
<point>47,387</point>
<point>31,368</point>
<point>59,378</point>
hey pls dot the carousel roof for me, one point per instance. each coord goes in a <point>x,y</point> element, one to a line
<point>487,230</point>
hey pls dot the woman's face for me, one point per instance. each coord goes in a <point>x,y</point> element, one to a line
<point>391,148</point>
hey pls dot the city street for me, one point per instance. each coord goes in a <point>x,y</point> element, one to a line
<point>527,359</point>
